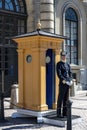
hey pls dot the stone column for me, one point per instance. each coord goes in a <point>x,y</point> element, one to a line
<point>47,15</point>
<point>31,15</point>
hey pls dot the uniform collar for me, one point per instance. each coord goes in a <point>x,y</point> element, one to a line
<point>63,61</point>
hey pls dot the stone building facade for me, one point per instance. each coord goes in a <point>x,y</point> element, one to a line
<point>55,18</point>
<point>52,17</point>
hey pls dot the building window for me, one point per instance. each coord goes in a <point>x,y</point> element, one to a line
<point>71,31</point>
<point>13,5</point>
<point>12,23</point>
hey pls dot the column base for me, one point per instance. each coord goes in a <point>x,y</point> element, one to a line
<point>39,108</point>
<point>34,107</point>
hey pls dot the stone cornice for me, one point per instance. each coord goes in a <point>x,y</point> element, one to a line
<point>39,42</point>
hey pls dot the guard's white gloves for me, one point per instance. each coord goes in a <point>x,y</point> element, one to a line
<point>69,83</point>
<point>63,81</point>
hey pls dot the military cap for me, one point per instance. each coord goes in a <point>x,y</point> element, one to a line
<point>63,53</point>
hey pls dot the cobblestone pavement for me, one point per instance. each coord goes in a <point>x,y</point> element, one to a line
<point>79,107</point>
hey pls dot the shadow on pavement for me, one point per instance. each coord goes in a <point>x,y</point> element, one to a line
<point>20,123</point>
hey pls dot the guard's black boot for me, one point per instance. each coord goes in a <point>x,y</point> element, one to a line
<point>60,116</point>
<point>59,113</point>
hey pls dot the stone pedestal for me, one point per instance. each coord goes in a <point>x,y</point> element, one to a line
<point>14,96</point>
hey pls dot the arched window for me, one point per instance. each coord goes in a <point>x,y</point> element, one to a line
<point>13,5</point>
<point>71,31</point>
<point>12,23</point>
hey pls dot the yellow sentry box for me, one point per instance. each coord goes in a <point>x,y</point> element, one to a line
<point>32,60</point>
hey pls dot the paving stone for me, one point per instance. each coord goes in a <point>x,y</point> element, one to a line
<point>79,107</point>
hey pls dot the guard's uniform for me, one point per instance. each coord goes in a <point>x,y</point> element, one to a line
<point>64,73</point>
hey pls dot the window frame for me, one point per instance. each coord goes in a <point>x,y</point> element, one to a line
<point>16,16</point>
<point>71,39</point>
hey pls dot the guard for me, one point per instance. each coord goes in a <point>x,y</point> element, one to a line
<point>65,81</point>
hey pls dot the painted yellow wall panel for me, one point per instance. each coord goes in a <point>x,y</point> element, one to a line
<point>28,80</point>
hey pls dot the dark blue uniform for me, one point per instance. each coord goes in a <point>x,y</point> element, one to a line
<point>64,73</point>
